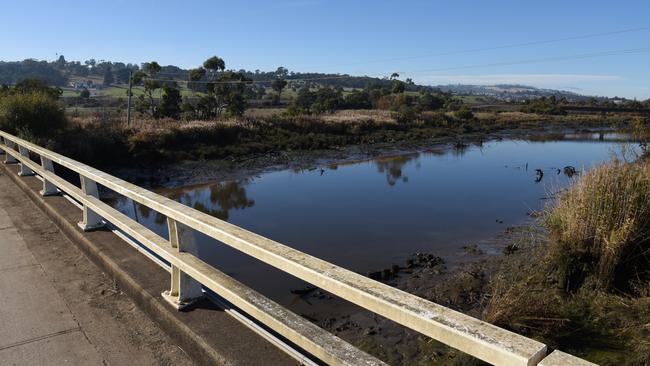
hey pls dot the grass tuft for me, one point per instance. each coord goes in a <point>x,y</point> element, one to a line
<point>601,229</point>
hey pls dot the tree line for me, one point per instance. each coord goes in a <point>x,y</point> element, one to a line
<point>58,73</point>
<point>226,92</point>
<point>222,91</point>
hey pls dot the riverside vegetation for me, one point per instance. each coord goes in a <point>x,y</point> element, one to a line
<point>30,108</point>
<point>580,284</point>
<point>577,279</point>
<point>586,287</point>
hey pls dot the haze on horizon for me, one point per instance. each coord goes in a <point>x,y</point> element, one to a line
<point>596,48</point>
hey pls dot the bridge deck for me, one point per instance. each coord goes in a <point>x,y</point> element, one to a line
<point>57,307</point>
<point>53,312</point>
<point>37,326</point>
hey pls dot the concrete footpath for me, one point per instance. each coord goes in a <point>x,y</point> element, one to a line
<point>37,326</point>
<point>60,309</point>
<point>58,282</point>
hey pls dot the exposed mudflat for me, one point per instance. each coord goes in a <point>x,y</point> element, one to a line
<point>192,172</point>
<point>462,287</point>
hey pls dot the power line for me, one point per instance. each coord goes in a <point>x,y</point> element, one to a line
<point>505,63</point>
<point>258,81</point>
<point>472,50</point>
<point>541,60</point>
<point>483,49</point>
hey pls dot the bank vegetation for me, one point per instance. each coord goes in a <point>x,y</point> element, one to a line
<point>585,287</point>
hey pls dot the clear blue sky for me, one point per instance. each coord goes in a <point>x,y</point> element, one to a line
<point>358,37</point>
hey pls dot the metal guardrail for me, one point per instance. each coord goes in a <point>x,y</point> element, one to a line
<point>470,335</point>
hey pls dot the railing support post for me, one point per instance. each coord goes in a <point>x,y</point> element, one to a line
<point>9,159</point>
<point>2,141</point>
<point>91,220</point>
<point>24,170</point>
<point>49,189</point>
<point>184,290</point>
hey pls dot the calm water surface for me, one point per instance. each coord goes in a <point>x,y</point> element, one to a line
<point>369,215</point>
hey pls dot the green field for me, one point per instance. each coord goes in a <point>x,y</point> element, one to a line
<point>117,91</point>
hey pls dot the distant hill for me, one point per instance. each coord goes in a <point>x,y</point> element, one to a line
<point>512,92</point>
<point>72,74</point>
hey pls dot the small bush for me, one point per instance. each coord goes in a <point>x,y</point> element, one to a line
<point>464,113</point>
<point>35,113</point>
<point>543,107</point>
<point>601,228</point>
<point>406,114</point>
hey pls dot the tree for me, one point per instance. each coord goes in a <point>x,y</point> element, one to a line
<point>170,105</point>
<point>32,111</point>
<point>430,102</point>
<point>108,77</point>
<point>464,113</point>
<point>194,76</point>
<point>406,114</point>
<point>228,93</point>
<point>122,75</point>
<point>225,89</point>
<point>152,67</point>
<point>60,62</point>
<point>90,63</point>
<point>281,73</point>
<point>217,89</point>
<point>235,101</point>
<point>13,72</point>
<point>397,86</point>
<point>145,102</point>
<point>215,64</point>
<point>28,86</point>
<point>278,85</point>
<point>303,101</point>
<point>326,100</point>
<point>358,99</point>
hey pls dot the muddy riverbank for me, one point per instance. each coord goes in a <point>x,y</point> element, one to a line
<point>195,172</point>
<point>460,285</point>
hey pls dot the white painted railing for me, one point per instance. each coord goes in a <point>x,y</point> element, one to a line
<point>475,337</point>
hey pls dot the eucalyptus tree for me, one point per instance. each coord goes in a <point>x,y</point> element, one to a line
<point>397,86</point>
<point>170,103</point>
<point>278,85</point>
<point>195,76</point>
<point>108,76</point>
<point>214,64</point>
<point>147,78</point>
<point>225,89</point>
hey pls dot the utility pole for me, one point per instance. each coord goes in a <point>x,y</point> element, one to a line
<point>128,108</point>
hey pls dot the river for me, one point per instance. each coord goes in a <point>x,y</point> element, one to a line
<point>369,215</point>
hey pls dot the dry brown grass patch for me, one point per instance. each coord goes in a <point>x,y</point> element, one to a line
<point>601,227</point>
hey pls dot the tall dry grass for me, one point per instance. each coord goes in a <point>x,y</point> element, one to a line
<point>601,228</point>
<point>585,287</point>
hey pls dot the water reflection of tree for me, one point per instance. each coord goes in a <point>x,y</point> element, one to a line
<point>459,149</point>
<point>145,212</point>
<point>223,198</point>
<point>392,167</point>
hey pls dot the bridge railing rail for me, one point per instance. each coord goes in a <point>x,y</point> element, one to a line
<point>470,335</point>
